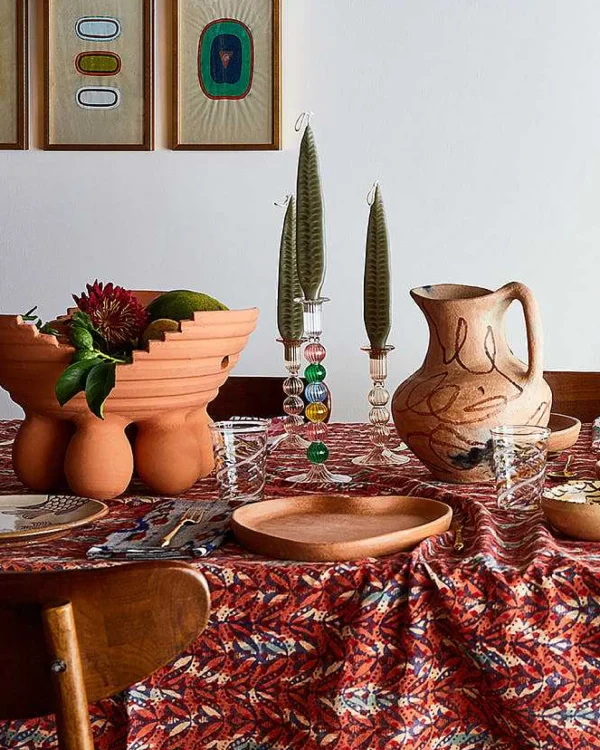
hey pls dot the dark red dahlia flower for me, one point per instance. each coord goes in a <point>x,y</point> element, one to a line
<point>115,312</point>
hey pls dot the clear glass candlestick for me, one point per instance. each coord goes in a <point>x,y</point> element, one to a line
<point>316,394</point>
<point>293,405</point>
<point>379,414</point>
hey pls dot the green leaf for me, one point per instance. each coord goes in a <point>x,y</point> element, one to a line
<point>377,276</point>
<point>99,384</point>
<point>310,232</point>
<point>73,380</point>
<point>289,312</point>
<point>83,354</point>
<point>81,338</point>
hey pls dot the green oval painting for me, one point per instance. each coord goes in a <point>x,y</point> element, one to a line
<point>226,59</point>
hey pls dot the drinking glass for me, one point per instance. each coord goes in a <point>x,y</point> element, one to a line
<point>240,456</point>
<point>520,454</point>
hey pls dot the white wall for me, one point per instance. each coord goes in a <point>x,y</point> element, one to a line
<point>480,119</point>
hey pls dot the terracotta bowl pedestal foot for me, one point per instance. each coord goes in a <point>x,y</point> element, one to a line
<point>163,394</point>
<point>99,460</point>
<point>200,421</point>
<point>39,452</point>
<point>167,455</point>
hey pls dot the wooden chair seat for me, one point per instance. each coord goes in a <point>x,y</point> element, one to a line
<point>73,637</point>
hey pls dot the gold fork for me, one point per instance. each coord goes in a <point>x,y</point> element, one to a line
<point>458,540</point>
<point>189,517</point>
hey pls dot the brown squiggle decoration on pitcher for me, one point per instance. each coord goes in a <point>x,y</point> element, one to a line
<point>445,410</point>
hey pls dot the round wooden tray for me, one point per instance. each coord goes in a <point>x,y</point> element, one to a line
<point>331,528</point>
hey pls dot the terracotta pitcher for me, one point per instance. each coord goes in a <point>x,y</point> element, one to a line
<point>470,380</point>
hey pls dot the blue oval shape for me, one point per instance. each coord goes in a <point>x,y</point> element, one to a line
<point>98,28</point>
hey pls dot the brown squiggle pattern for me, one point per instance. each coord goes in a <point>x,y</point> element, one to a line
<point>434,397</point>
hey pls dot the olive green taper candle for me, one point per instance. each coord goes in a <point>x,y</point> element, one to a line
<point>289,311</point>
<point>377,276</point>
<point>310,231</point>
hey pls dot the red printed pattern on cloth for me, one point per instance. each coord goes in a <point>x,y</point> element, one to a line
<point>496,647</point>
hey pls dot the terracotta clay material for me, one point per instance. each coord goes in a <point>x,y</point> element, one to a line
<point>579,520</point>
<point>470,380</point>
<point>564,431</point>
<point>164,393</point>
<point>331,528</point>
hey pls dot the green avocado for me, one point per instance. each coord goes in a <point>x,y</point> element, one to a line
<point>181,304</point>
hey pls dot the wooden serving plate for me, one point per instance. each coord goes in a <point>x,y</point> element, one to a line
<point>331,528</point>
<point>564,431</point>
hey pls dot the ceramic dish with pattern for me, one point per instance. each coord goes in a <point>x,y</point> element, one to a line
<point>574,509</point>
<point>30,516</point>
<point>564,432</point>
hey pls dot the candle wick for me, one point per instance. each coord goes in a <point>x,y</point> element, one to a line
<point>284,202</point>
<point>303,119</point>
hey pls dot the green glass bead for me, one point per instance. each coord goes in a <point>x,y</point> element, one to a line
<point>315,373</point>
<point>317,453</point>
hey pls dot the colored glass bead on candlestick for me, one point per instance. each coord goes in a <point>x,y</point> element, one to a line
<point>316,394</point>
<point>379,414</point>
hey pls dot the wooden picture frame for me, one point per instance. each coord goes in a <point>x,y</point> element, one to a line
<point>108,105</point>
<point>206,104</point>
<point>14,116</point>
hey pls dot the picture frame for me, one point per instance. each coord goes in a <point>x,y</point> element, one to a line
<point>14,80</point>
<point>226,75</point>
<point>99,75</point>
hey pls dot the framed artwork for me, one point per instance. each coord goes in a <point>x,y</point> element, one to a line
<point>98,74</point>
<point>226,74</point>
<point>13,74</point>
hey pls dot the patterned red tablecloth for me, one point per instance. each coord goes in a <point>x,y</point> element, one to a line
<point>497,646</point>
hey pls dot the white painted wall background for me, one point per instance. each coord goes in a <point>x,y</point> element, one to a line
<point>481,119</point>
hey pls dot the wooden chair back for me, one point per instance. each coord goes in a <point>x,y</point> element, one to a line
<point>575,393</point>
<point>248,396</point>
<point>73,637</point>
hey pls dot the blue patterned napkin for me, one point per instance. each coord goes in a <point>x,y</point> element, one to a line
<point>142,539</point>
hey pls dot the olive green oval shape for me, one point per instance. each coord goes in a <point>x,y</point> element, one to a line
<point>98,63</point>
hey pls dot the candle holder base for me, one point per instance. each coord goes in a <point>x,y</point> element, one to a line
<point>319,474</point>
<point>379,456</point>
<point>292,443</point>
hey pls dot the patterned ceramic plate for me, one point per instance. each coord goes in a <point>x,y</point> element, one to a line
<point>38,515</point>
<point>583,491</point>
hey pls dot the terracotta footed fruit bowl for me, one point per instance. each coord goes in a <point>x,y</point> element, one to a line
<point>164,393</point>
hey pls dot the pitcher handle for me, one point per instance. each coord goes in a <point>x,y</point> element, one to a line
<point>533,323</point>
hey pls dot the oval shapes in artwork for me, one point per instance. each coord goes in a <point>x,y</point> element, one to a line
<point>226,59</point>
<point>98,28</point>
<point>98,97</point>
<point>98,63</point>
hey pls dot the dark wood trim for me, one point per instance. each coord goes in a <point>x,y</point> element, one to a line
<point>576,394</point>
<point>252,396</point>
<point>22,32</point>
<point>277,74</point>
<point>148,123</point>
<point>275,143</point>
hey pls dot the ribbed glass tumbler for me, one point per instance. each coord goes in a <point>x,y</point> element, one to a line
<point>520,456</point>
<point>240,459</point>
